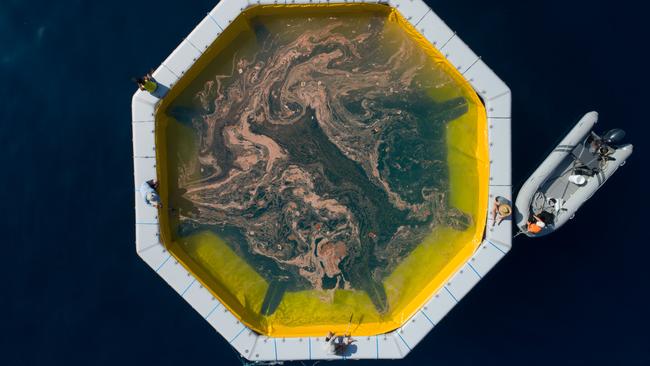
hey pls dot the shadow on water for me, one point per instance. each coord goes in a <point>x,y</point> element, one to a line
<point>273,297</point>
<point>181,206</point>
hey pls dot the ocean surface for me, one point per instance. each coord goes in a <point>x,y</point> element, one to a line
<point>75,292</point>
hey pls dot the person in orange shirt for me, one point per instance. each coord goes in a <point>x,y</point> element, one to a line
<point>536,225</point>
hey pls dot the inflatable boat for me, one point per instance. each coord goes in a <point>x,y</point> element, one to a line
<point>569,176</point>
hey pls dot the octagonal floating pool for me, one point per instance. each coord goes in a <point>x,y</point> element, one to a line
<point>323,168</point>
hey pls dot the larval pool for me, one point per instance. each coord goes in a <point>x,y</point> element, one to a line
<point>323,168</point>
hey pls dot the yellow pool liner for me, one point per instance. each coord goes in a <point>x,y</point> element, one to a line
<point>314,313</point>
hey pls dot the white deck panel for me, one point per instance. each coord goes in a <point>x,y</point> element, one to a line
<point>200,298</point>
<point>142,110</point>
<point>500,153</point>
<point>415,329</point>
<point>485,257</point>
<point>182,58</point>
<point>462,282</point>
<point>263,350</point>
<point>225,323</point>
<point>165,77</point>
<point>145,214</point>
<point>192,284</point>
<point>145,97</point>
<point>438,306</point>
<point>366,348</point>
<point>499,106</point>
<point>319,350</point>
<point>244,342</point>
<point>461,56</point>
<point>503,231</point>
<point>403,347</point>
<point>412,10</point>
<point>292,349</point>
<point>390,346</point>
<point>144,170</point>
<point>154,255</point>
<point>144,145</point>
<point>227,10</point>
<point>485,81</point>
<point>267,2</point>
<point>146,235</point>
<point>435,30</point>
<point>204,34</point>
<point>505,247</point>
<point>176,276</point>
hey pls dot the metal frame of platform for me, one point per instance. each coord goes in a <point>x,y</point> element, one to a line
<point>396,344</point>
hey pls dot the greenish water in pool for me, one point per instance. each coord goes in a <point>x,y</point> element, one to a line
<point>315,147</point>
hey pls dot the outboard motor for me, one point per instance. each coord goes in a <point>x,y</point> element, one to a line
<point>605,146</point>
<point>613,137</point>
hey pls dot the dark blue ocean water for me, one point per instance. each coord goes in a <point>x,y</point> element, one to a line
<point>75,292</point>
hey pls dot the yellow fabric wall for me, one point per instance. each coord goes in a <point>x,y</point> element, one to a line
<point>421,274</point>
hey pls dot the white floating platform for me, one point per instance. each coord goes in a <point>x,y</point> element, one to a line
<point>394,345</point>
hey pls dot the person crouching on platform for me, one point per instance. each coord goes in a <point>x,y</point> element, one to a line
<point>147,83</point>
<point>500,210</point>
<point>149,193</point>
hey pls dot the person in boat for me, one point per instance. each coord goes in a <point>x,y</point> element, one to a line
<point>535,224</point>
<point>605,154</point>
<point>600,148</point>
<point>501,210</point>
<point>595,142</point>
<point>147,83</point>
<point>149,193</point>
<point>547,217</point>
<point>557,205</point>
